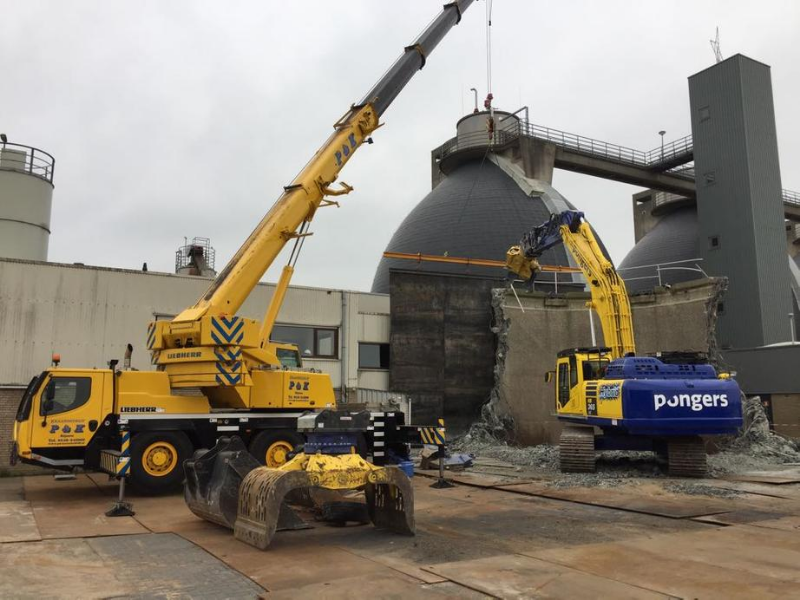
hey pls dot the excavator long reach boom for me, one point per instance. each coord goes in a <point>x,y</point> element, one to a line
<point>609,296</point>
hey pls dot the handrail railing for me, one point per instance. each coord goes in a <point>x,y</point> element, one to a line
<point>682,147</point>
<point>790,197</point>
<point>27,159</point>
<point>665,266</point>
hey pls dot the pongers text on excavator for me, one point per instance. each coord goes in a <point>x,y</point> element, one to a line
<point>217,373</point>
<point>638,403</point>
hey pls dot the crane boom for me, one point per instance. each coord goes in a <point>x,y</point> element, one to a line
<point>295,208</point>
<point>609,296</point>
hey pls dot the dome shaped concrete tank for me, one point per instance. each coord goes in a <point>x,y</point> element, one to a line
<point>26,196</point>
<point>667,251</point>
<point>482,202</point>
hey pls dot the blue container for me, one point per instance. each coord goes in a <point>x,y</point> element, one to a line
<point>407,467</point>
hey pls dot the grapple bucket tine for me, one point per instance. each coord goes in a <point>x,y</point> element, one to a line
<point>390,501</point>
<point>261,497</point>
<point>213,479</point>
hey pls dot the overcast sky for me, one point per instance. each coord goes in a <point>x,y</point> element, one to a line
<point>186,118</point>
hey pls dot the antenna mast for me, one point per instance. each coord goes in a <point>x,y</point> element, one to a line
<point>715,47</point>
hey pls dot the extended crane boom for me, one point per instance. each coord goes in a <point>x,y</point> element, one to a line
<point>301,198</point>
<point>230,348</point>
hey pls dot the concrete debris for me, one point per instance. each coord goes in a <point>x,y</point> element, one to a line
<point>693,488</point>
<point>756,448</point>
<point>719,287</point>
<point>496,422</point>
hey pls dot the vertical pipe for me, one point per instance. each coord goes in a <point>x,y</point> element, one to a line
<point>343,332</point>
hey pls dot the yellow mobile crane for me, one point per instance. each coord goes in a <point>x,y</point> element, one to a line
<point>217,373</point>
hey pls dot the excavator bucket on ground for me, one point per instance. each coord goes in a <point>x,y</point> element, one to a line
<point>227,486</point>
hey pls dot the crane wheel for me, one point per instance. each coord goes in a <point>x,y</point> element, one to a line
<point>687,457</point>
<point>157,460</point>
<point>576,449</point>
<point>272,448</point>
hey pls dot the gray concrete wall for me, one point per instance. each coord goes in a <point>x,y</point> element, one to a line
<point>442,345</point>
<point>675,319</point>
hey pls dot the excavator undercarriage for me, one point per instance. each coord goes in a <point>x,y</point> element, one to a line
<point>227,486</point>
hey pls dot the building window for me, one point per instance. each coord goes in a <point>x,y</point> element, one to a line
<point>313,342</point>
<point>373,356</point>
<point>705,113</point>
<point>713,242</point>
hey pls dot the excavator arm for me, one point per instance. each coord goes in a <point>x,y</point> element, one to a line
<point>609,296</point>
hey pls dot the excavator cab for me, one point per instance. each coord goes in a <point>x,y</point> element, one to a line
<point>577,372</point>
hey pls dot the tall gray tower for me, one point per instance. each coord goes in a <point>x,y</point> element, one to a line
<point>739,204</point>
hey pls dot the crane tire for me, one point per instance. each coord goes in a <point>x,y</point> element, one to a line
<point>271,446</point>
<point>157,461</point>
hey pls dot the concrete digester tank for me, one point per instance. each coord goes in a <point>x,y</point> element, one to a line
<point>26,197</point>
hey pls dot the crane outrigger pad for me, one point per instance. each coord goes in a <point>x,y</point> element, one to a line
<point>227,486</point>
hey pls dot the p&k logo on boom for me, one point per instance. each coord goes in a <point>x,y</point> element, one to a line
<point>696,402</point>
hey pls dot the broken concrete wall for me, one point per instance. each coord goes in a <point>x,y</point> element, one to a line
<point>530,335</point>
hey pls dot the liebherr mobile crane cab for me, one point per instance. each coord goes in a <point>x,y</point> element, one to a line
<point>638,403</point>
<point>217,373</point>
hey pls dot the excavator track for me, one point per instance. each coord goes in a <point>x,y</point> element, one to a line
<point>687,457</point>
<point>576,449</point>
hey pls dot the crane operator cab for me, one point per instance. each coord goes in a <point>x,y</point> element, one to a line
<point>63,414</point>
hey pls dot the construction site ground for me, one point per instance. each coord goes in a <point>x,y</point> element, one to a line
<point>502,531</point>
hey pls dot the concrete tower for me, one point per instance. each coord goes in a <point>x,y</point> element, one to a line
<point>739,205</point>
<point>26,196</point>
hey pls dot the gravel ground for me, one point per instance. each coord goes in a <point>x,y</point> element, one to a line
<point>755,449</point>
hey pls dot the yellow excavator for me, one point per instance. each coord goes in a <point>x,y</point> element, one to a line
<point>218,374</point>
<point>662,404</point>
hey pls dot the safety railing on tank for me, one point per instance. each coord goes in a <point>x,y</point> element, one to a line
<point>689,264</point>
<point>27,159</point>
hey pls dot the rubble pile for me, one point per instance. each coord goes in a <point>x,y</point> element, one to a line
<point>757,447</point>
